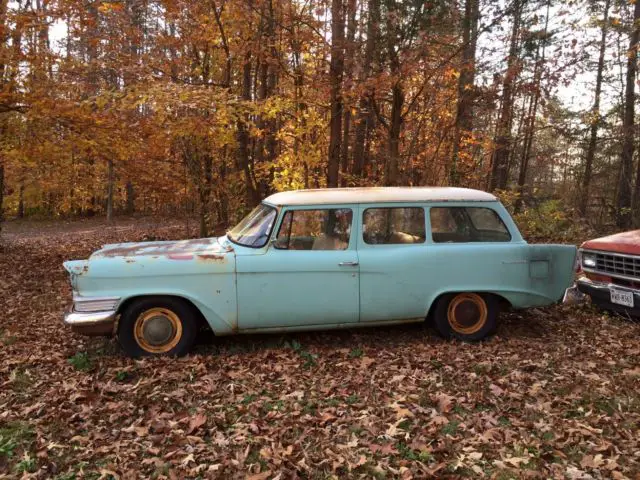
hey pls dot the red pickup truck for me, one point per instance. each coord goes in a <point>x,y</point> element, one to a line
<point>612,272</point>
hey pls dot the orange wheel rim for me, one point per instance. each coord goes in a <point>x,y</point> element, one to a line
<point>467,313</point>
<point>157,330</point>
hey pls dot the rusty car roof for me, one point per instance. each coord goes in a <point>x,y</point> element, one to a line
<point>325,196</point>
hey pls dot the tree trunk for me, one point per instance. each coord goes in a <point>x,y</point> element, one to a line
<point>336,69</point>
<point>462,151</point>
<point>4,36</point>
<point>397,102</point>
<point>223,197</point>
<point>1,195</point>
<point>533,112</point>
<point>395,128</point>
<point>596,119</point>
<point>364,124</point>
<point>299,101</point>
<point>252,195</point>
<point>344,152</point>
<point>110,187</point>
<point>500,170</point>
<point>266,83</point>
<point>529,123</point>
<point>349,63</point>
<point>21,201</point>
<point>131,198</point>
<point>226,80</point>
<point>272,84</point>
<point>204,190</point>
<point>623,202</point>
<point>46,65</point>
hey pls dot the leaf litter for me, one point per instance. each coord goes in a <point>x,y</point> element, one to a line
<point>554,394</point>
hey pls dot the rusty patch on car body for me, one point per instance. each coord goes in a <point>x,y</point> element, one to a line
<point>206,249</point>
<point>156,248</point>
<point>180,256</point>
<point>211,257</point>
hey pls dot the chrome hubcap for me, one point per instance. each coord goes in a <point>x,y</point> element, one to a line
<point>158,330</point>
<point>467,313</point>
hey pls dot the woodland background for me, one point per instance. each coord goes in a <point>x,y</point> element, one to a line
<point>142,112</point>
<point>180,107</point>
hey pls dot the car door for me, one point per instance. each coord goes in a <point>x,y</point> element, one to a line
<point>393,262</point>
<point>309,275</point>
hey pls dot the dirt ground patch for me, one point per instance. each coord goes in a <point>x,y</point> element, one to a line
<point>556,393</point>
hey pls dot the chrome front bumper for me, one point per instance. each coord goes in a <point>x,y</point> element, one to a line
<point>92,323</point>
<point>600,294</point>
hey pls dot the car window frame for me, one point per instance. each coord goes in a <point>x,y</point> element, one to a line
<point>509,225</point>
<point>371,206</point>
<point>362,245</point>
<point>355,229</point>
<point>276,221</point>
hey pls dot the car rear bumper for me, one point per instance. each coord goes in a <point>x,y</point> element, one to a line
<point>601,295</point>
<point>91,323</point>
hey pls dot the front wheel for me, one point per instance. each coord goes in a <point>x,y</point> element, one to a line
<point>466,316</point>
<point>155,326</point>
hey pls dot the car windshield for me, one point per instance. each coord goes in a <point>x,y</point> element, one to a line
<point>254,229</point>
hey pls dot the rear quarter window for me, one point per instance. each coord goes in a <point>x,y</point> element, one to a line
<point>467,224</point>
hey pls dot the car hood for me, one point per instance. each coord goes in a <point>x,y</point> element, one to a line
<point>625,242</point>
<point>175,250</point>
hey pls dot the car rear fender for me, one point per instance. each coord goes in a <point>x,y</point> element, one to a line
<point>551,269</point>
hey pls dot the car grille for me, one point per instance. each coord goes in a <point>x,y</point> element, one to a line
<point>613,264</point>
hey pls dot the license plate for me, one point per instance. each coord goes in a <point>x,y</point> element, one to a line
<point>621,297</point>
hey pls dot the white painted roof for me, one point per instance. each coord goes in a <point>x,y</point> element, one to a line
<point>325,196</point>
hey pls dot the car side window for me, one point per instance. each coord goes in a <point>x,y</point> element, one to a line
<point>467,224</point>
<point>327,229</point>
<point>396,225</point>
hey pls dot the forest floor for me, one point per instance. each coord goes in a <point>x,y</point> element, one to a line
<point>555,393</point>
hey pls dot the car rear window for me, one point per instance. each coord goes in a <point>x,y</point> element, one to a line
<point>467,224</point>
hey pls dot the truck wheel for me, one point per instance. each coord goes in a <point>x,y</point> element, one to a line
<point>155,326</point>
<point>466,316</point>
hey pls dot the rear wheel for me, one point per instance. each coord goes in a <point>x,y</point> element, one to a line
<point>155,326</point>
<point>467,316</point>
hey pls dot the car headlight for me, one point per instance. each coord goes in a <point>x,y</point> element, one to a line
<point>589,260</point>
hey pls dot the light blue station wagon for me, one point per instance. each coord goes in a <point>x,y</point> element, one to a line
<point>320,259</point>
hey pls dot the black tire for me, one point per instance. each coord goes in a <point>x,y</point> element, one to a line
<point>487,315</point>
<point>167,308</point>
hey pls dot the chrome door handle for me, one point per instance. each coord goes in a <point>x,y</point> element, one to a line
<point>348,264</point>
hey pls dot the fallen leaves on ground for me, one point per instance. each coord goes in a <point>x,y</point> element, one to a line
<point>555,393</point>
